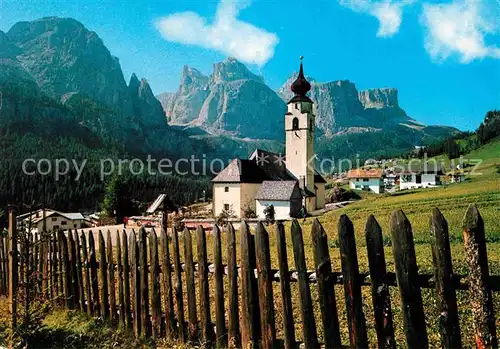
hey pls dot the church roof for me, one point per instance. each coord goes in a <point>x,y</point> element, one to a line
<point>272,164</point>
<point>241,171</point>
<point>278,191</point>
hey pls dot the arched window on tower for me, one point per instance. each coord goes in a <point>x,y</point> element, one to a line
<point>295,124</point>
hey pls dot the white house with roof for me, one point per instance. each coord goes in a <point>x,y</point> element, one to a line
<point>369,179</point>
<point>258,182</point>
<point>54,220</point>
<point>425,177</point>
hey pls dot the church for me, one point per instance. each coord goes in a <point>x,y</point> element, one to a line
<point>289,183</point>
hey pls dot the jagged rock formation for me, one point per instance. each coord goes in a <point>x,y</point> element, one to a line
<point>231,101</point>
<point>379,98</point>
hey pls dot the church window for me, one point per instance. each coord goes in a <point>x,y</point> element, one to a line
<point>296,105</point>
<point>226,189</point>
<point>295,124</point>
<point>226,207</point>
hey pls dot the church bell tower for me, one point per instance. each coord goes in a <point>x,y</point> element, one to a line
<point>299,130</point>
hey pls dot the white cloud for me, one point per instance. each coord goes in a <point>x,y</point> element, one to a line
<point>460,27</point>
<point>388,12</point>
<point>225,34</point>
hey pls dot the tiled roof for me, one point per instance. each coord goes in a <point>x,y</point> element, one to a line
<point>241,171</point>
<point>278,190</point>
<point>369,173</point>
<point>272,164</point>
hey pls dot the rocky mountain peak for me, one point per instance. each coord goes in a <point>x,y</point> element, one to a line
<point>379,98</point>
<point>230,70</point>
<point>192,79</point>
<point>63,56</point>
<point>7,47</point>
<point>134,82</point>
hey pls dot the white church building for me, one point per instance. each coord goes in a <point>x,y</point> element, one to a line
<point>289,182</point>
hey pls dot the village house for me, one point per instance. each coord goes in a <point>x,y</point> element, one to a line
<point>288,182</point>
<point>54,220</point>
<point>369,179</point>
<point>426,178</point>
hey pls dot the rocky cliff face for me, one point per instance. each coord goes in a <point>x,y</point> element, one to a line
<point>147,108</point>
<point>63,56</point>
<point>379,98</point>
<point>231,101</point>
<point>340,107</point>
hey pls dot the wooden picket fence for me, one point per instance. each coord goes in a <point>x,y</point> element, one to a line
<point>80,273</point>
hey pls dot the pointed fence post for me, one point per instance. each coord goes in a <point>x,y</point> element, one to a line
<point>119,264</point>
<point>111,279</point>
<point>326,290</point>
<point>352,286</point>
<point>286,295</point>
<point>143,260</point>
<point>136,282</point>
<point>178,287</point>
<point>481,303</point>
<point>443,273</point>
<point>167,284</point>
<point>86,275</point>
<point>191,290</point>
<point>380,289</point>
<point>79,273</point>
<point>96,302</point>
<point>126,281</point>
<point>234,338</point>
<point>310,334</point>
<point>201,241</point>
<point>250,325</point>
<point>405,262</point>
<point>266,299</point>
<point>66,270</point>
<point>219,290</point>
<point>155,285</point>
<point>103,267</point>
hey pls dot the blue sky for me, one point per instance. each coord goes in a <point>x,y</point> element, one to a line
<point>443,56</point>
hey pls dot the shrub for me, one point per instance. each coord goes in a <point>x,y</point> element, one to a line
<point>223,218</point>
<point>269,213</point>
<point>249,212</point>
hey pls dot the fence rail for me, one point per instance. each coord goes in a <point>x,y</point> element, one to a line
<point>140,283</point>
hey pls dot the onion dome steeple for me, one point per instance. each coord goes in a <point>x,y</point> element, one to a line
<point>300,86</point>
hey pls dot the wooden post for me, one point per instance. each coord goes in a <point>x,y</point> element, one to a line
<point>233,307</point>
<point>286,296</point>
<point>111,279</point>
<point>55,267</point>
<point>119,264</point>
<point>66,270</point>
<point>13,272</point>
<point>407,276</point>
<point>191,291</point>
<point>103,268</point>
<point>206,331</point>
<point>481,302</point>
<point>443,273</point>
<point>3,271</point>
<point>96,303</point>
<point>86,275</point>
<point>219,289</point>
<point>178,287</point>
<point>143,258</point>
<point>249,325</point>
<point>326,291</point>
<point>126,282</point>
<point>265,287</point>
<point>136,282</point>
<point>352,285</point>
<point>119,270</point>
<point>167,284</point>
<point>44,261</point>
<point>75,287</point>
<point>79,273</point>
<point>380,289</point>
<point>155,285</point>
<point>310,334</point>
